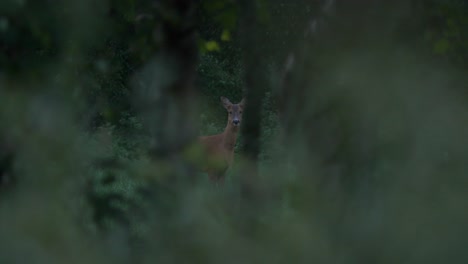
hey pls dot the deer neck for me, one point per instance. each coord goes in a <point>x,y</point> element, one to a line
<point>230,136</point>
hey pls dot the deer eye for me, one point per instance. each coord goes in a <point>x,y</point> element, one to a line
<point>230,112</point>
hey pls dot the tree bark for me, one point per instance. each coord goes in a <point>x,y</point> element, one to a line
<point>167,93</point>
<point>255,80</point>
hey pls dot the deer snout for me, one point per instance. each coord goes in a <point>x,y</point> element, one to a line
<point>236,122</point>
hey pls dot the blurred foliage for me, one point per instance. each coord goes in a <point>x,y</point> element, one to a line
<point>447,30</point>
<point>369,167</point>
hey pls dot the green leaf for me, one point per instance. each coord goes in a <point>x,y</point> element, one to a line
<point>226,35</point>
<point>441,46</point>
<point>212,45</point>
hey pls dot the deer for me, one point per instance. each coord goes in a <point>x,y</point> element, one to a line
<point>219,149</point>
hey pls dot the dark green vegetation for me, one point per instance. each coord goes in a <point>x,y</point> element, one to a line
<point>356,152</point>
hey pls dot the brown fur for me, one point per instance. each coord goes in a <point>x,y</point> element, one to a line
<point>219,149</point>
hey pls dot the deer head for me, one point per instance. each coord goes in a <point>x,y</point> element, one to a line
<point>234,110</point>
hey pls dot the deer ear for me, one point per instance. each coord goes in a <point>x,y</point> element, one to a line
<point>242,102</point>
<point>225,101</point>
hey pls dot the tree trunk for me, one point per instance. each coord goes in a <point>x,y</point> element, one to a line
<point>256,82</point>
<point>166,90</point>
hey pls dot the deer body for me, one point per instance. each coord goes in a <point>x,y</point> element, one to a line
<point>219,149</point>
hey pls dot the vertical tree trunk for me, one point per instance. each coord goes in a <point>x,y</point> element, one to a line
<point>167,95</point>
<point>255,81</point>
<point>166,100</point>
